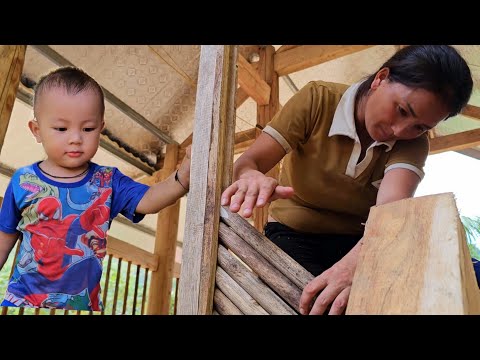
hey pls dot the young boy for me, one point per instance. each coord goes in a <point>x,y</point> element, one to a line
<point>64,205</point>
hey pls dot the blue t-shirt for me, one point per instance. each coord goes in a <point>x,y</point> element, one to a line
<point>64,228</point>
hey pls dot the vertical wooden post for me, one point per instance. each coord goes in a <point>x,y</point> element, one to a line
<point>165,244</point>
<point>265,113</point>
<point>212,156</point>
<point>12,58</point>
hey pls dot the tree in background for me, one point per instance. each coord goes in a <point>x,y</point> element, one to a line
<point>472,232</point>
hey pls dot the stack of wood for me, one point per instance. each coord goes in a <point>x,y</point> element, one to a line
<point>254,276</point>
<point>415,260</point>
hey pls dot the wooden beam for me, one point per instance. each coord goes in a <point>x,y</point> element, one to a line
<point>305,56</point>
<point>458,141</point>
<point>58,59</point>
<point>471,111</point>
<point>128,252</point>
<point>212,155</point>
<point>285,48</point>
<point>415,261</point>
<point>252,83</point>
<point>248,280</point>
<point>165,245</point>
<point>265,113</point>
<point>12,58</point>
<point>240,97</point>
<point>271,252</point>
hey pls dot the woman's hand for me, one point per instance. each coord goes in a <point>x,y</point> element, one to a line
<point>332,287</point>
<point>253,189</point>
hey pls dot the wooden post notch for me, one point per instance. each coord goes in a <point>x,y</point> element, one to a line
<point>415,260</point>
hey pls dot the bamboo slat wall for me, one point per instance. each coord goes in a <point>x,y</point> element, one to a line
<point>254,276</point>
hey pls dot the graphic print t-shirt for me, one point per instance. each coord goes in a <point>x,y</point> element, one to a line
<point>64,229</point>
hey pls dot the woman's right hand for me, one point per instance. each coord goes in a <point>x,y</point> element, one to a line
<point>253,189</point>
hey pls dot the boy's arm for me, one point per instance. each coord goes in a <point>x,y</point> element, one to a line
<point>7,241</point>
<point>167,192</point>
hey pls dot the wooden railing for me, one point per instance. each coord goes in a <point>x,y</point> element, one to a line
<point>125,282</point>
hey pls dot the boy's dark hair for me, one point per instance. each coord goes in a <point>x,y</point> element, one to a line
<point>73,80</point>
<point>436,68</point>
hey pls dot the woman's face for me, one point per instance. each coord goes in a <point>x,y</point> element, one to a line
<point>396,112</point>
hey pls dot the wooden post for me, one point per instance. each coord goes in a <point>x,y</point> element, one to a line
<point>212,157</point>
<point>415,260</point>
<point>265,113</point>
<point>165,245</point>
<point>12,58</point>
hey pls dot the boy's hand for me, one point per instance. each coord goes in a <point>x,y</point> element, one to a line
<point>184,169</point>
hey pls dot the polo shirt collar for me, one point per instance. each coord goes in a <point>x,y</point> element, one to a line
<point>344,122</point>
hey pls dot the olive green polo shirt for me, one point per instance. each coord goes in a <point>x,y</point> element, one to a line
<point>333,193</point>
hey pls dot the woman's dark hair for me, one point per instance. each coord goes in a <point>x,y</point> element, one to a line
<point>73,80</point>
<point>439,69</point>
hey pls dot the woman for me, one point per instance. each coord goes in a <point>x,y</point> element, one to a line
<point>347,149</point>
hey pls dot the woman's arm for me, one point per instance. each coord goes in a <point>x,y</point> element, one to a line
<point>251,187</point>
<point>335,283</point>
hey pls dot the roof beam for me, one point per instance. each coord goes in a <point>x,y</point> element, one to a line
<point>27,98</point>
<point>240,97</point>
<point>458,141</point>
<point>305,56</point>
<point>251,82</point>
<point>471,111</point>
<point>55,57</point>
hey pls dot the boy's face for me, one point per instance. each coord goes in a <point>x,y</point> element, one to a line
<point>68,126</point>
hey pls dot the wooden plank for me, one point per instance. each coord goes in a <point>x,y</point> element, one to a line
<point>128,252</point>
<point>252,83</point>
<point>237,294</point>
<point>165,245</point>
<point>285,48</point>
<point>276,256</point>
<point>107,279</point>
<point>12,58</point>
<point>471,111</point>
<point>414,260</point>
<point>125,294</point>
<point>458,141</point>
<point>252,284</point>
<point>117,281</point>
<point>305,56</point>
<point>268,272</point>
<point>213,120</point>
<point>144,293</point>
<point>240,97</point>
<point>264,115</point>
<point>224,305</point>
<point>135,292</point>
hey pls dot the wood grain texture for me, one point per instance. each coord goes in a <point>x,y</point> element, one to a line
<point>215,96</point>
<point>413,261</point>
<point>305,56</point>
<point>237,294</point>
<point>271,252</point>
<point>165,245</point>
<point>128,252</point>
<point>12,58</point>
<point>269,274</point>
<point>223,305</point>
<point>254,286</point>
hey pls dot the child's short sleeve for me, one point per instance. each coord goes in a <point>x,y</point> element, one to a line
<point>9,213</point>
<point>126,194</point>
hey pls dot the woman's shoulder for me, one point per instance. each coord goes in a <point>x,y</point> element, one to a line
<point>331,87</point>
